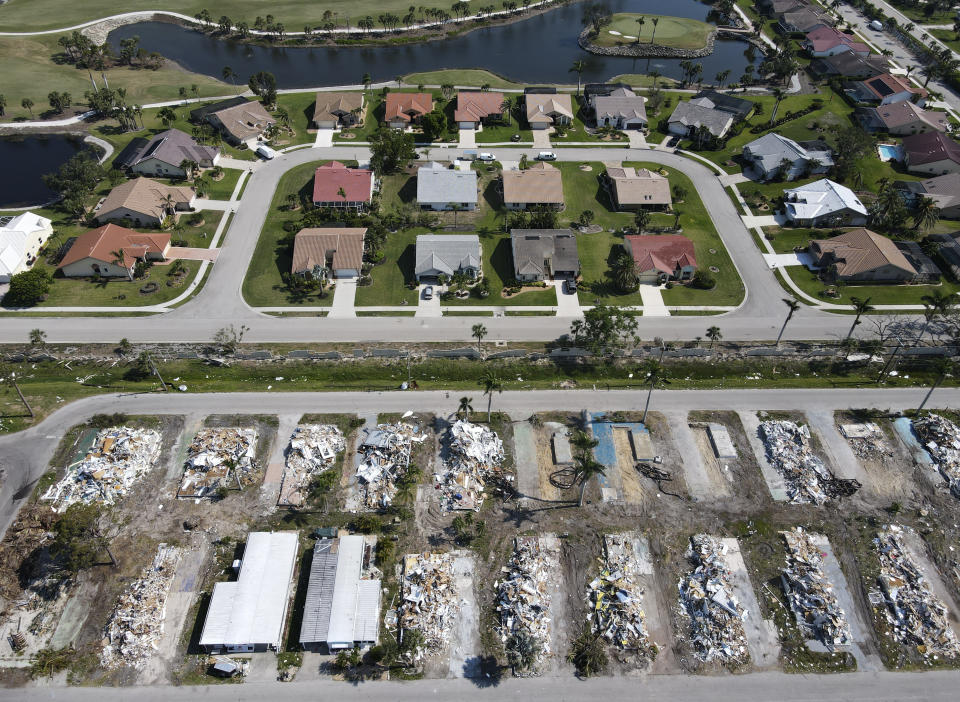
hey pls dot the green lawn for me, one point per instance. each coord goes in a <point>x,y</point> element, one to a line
<point>879,294</point>
<point>300,108</point>
<point>73,292</point>
<point>784,240</point>
<point>390,276</point>
<point>198,237</point>
<point>947,36</point>
<point>471,77</point>
<point>642,80</point>
<point>677,32</point>
<point>222,189</point>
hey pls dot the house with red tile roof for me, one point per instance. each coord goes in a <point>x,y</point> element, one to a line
<point>404,109</point>
<point>932,153</point>
<point>474,108</point>
<point>660,258</point>
<point>112,251</point>
<point>829,41</point>
<point>335,185</point>
<point>885,89</point>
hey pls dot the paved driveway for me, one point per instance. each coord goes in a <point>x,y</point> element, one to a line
<point>653,305</point>
<point>568,305</point>
<point>187,253</point>
<point>468,139</point>
<point>541,138</point>
<point>344,296</point>
<point>324,139</point>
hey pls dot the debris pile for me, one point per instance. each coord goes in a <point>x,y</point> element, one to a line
<point>866,439</point>
<point>218,457</point>
<point>918,617</point>
<point>430,601</point>
<point>615,596</point>
<point>117,459</point>
<point>313,450</point>
<point>386,457</point>
<point>942,439</point>
<point>136,625</point>
<point>706,596</point>
<point>523,603</point>
<point>788,448</point>
<point>810,594</point>
<point>476,454</point>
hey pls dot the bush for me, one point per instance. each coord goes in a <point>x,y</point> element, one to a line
<point>290,226</point>
<point>105,421</point>
<point>702,281</point>
<point>28,288</point>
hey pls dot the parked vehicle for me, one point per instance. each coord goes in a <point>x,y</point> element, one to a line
<point>265,152</point>
<point>673,142</point>
<point>515,137</point>
<point>486,156</point>
<point>428,292</point>
<point>546,156</point>
<point>876,25</point>
<point>571,286</point>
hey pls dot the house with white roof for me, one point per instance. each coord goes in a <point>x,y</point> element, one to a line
<point>442,188</point>
<point>447,254</point>
<point>620,108</point>
<point>21,238</point>
<point>824,203</point>
<point>772,154</point>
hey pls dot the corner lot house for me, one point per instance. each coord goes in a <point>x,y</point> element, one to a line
<point>661,258</point>
<point>328,252</point>
<point>335,185</point>
<point>248,614</point>
<point>162,155</point>
<point>773,155</point>
<point>476,108</point>
<point>405,109</point>
<point>337,109</point>
<point>932,153</point>
<point>902,119</point>
<point>635,189</point>
<point>689,116</point>
<point>144,202</point>
<point>861,256</point>
<point>544,254</point>
<point>21,238</point>
<point>824,203</point>
<point>241,122</point>
<point>621,108</point>
<point>447,254</point>
<point>943,190</point>
<point>112,252</point>
<point>885,89</point>
<point>541,185</point>
<point>545,111</point>
<point>827,41</point>
<point>441,188</point>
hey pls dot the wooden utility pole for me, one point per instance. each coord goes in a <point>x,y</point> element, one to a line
<point>13,380</point>
<point>157,372</point>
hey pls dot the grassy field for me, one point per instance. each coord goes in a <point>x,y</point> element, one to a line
<point>676,32</point>
<point>74,292</point>
<point>947,36</point>
<point>879,294</point>
<point>222,189</point>
<point>391,276</point>
<point>472,77</point>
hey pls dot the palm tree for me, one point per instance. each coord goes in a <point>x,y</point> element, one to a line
<point>506,107</point>
<point>366,80</point>
<point>656,372</point>
<point>713,333</point>
<point>228,74</point>
<point>792,306</point>
<point>167,116</point>
<point>455,207</point>
<point>465,407</point>
<point>722,76</point>
<point>577,68</point>
<point>640,21</point>
<point>27,104</point>
<point>587,467</point>
<point>944,366</point>
<point>491,383</point>
<point>641,219</point>
<point>624,272</point>
<point>934,305</point>
<point>656,21</point>
<point>779,95</point>
<point>861,307</point>
<point>478,331</point>
<point>925,213</point>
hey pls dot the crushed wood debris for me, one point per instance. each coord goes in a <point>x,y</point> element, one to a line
<point>219,458</point>
<point>429,603</point>
<point>313,449</point>
<point>386,457</point>
<point>615,596</point>
<point>523,604</point>
<point>788,448</point>
<point>866,439</point>
<point>118,458</point>
<point>942,439</point>
<point>810,593</point>
<point>706,597</point>
<point>917,616</point>
<point>476,456</point>
<point>135,628</point>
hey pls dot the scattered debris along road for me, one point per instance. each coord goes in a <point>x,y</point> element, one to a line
<point>476,454</point>
<point>218,458</point>
<point>386,457</point>
<point>313,449</point>
<point>788,449</point>
<point>942,440</point>
<point>615,597</point>
<point>430,602</point>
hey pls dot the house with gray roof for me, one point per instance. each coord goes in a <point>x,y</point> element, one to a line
<point>689,116</point>
<point>162,155</point>
<point>448,254</point>
<point>772,154</point>
<point>540,254</point>
<point>824,203</point>
<point>442,188</point>
<point>620,108</point>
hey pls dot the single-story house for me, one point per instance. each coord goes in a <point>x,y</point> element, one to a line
<point>241,122</point>
<point>861,256</point>
<point>804,19</point>
<point>773,7</point>
<point>545,111</point>
<point>477,107</point>
<point>541,185</point>
<point>335,185</point>
<point>689,116</point>
<point>885,89</point>
<point>943,190</point>
<point>772,153</point>
<point>541,254</point>
<point>162,155</point>
<point>328,252</point>
<point>21,238</point>
<point>591,90</point>
<point>849,65</point>
<point>144,202</point>
<point>441,188</point>
<point>927,270</point>
<point>932,153</point>
<point>199,114</point>
<point>635,189</point>
<point>621,108</point>
<point>828,41</point>
<point>949,250</point>
<point>659,258</point>
<point>740,108</point>
<point>447,254</point>
<point>337,109</point>
<point>902,119</point>
<point>111,251</point>
<point>249,613</point>
<point>404,109</point>
<point>824,203</point>
<point>342,606</point>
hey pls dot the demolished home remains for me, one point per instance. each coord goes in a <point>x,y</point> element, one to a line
<point>942,440</point>
<point>386,457</point>
<point>476,454</point>
<point>788,449</point>
<point>523,603</point>
<point>313,450</point>
<point>429,602</point>
<point>615,596</point>
<point>218,458</point>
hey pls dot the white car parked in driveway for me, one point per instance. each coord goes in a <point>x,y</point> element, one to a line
<point>486,156</point>
<point>265,152</point>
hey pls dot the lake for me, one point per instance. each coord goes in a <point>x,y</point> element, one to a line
<point>28,158</point>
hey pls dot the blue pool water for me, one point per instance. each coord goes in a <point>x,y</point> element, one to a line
<point>889,152</point>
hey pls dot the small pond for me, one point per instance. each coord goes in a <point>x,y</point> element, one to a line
<point>27,158</point>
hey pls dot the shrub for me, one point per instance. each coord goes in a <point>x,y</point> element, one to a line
<point>28,288</point>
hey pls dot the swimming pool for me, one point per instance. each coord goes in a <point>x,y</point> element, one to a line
<point>889,152</point>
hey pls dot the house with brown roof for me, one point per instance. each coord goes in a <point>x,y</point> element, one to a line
<point>144,202</point>
<point>111,251</point>
<point>541,185</point>
<point>861,256</point>
<point>335,185</point>
<point>474,108</point>
<point>336,109</point>
<point>885,89</point>
<point>621,108</point>
<point>829,41</point>
<point>943,190</point>
<point>635,189</point>
<point>659,258</point>
<point>902,119</point>
<point>932,153</point>
<point>162,155</point>
<point>541,254</point>
<point>242,122</point>
<point>402,110</point>
<point>544,111</point>
<point>334,252</point>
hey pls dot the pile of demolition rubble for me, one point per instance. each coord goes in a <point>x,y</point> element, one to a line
<point>430,603</point>
<point>219,457</point>
<point>810,594</point>
<point>476,454</point>
<point>386,457</point>
<point>866,440</point>
<point>942,439</point>
<point>615,596</point>
<point>706,596</point>
<point>918,617</point>
<point>313,450</point>
<point>136,625</point>
<point>788,448</point>
<point>118,458</point>
<point>523,603</point>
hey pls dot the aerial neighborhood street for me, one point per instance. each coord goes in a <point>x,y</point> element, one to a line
<point>539,349</point>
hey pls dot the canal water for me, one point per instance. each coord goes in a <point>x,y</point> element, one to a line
<point>27,159</point>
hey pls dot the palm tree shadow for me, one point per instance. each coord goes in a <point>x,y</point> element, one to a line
<point>483,671</point>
